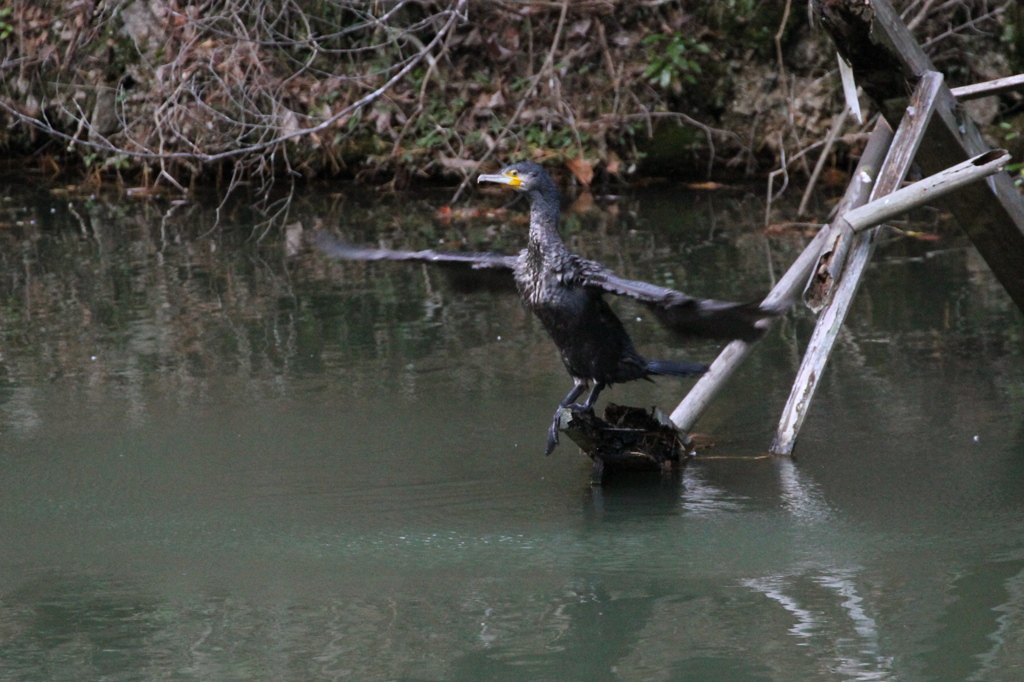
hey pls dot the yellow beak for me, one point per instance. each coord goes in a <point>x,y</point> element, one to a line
<point>501,178</point>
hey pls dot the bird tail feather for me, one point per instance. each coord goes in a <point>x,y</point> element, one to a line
<point>676,369</point>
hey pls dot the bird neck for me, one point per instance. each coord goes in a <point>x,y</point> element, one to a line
<point>544,219</point>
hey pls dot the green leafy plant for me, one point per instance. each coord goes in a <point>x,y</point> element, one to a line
<point>672,59</point>
<point>1009,133</point>
<point>6,29</point>
<point>1018,170</point>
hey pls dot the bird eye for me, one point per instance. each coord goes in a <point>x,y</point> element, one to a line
<point>514,174</point>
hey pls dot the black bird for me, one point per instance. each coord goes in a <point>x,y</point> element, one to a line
<point>566,293</point>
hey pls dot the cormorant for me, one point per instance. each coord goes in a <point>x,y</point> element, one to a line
<point>566,293</point>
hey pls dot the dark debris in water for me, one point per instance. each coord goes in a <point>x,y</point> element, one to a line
<point>627,439</point>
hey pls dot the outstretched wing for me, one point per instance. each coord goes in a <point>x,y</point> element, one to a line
<point>467,270</point>
<point>337,249</point>
<point>678,312</point>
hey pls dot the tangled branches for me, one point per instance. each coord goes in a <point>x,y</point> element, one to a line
<point>220,83</point>
<point>257,89</point>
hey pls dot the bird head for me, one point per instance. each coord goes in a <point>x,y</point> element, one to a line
<point>525,176</point>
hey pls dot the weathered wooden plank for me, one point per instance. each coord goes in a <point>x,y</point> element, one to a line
<point>901,155</point>
<point>887,62</point>
<point>788,288</point>
<point>927,190</point>
<point>819,290</point>
<point>833,254</point>
<point>989,88</point>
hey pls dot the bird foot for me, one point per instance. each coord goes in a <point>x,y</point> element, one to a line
<point>556,423</point>
<point>552,437</point>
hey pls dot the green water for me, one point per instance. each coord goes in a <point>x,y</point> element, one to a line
<point>219,461</point>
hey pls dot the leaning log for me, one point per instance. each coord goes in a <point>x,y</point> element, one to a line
<point>819,290</point>
<point>788,287</point>
<point>901,154</point>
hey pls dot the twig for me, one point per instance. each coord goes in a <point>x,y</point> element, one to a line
<point>778,38</point>
<point>783,170</point>
<point>992,14</point>
<point>837,126</point>
<point>920,16</point>
<point>927,190</point>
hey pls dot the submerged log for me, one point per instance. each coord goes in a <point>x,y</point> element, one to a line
<point>627,439</point>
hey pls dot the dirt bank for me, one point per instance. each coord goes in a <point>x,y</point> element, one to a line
<point>174,93</point>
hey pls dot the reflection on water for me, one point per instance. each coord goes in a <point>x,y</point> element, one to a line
<point>221,460</point>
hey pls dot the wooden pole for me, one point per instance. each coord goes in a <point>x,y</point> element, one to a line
<point>928,190</point>
<point>932,188</point>
<point>788,288</point>
<point>901,154</point>
<point>988,88</point>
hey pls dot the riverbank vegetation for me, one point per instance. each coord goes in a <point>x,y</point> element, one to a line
<point>167,93</point>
